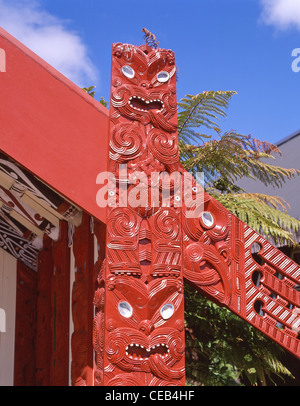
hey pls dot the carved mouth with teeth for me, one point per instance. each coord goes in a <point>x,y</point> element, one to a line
<point>139,352</point>
<point>141,104</point>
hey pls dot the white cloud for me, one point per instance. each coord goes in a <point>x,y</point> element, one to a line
<point>50,38</point>
<point>283,14</point>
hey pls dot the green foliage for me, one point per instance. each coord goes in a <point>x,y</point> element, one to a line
<point>90,90</point>
<point>266,214</point>
<point>202,110</point>
<point>224,350</point>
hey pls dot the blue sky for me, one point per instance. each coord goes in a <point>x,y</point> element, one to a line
<point>241,45</point>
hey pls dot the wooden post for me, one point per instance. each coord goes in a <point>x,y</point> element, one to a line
<point>82,305</point>
<point>44,328</point>
<point>60,294</point>
<point>25,327</point>
<point>52,339</point>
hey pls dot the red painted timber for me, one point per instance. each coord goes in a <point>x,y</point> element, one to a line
<point>51,126</point>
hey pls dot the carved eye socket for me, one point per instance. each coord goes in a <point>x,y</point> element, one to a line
<point>163,77</point>
<point>167,311</point>
<point>128,71</point>
<point>125,309</point>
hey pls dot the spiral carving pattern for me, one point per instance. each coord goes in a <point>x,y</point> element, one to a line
<point>164,147</point>
<point>124,222</point>
<point>126,142</point>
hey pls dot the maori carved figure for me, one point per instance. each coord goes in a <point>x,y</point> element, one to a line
<point>153,243</point>
<point>142,314</point>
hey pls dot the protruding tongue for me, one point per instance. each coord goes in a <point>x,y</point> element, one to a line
<point>159,368</point>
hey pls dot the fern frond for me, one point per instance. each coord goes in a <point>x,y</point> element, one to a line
<point>234,156</point>
<point>265,214</point>
<point>204,109</point>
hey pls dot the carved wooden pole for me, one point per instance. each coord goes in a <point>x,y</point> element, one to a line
<point>139,339</point>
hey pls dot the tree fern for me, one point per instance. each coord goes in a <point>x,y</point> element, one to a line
<point>265,214</point>
<point>202,110</point>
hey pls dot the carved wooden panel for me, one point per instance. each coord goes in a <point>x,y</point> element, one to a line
<point>142,314</point>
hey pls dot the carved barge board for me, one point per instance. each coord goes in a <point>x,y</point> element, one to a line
<point>263,289</point>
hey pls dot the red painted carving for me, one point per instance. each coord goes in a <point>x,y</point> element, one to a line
<point>140,329</point>
<point>153,242</point>
<point>219,261</point>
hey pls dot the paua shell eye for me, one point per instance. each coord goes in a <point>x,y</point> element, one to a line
<point>167,311</point>
<point>125,309</point>
<point>163,77</point>
<point>207,219</point>
<point>128,71</point>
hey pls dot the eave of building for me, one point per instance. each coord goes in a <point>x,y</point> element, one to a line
<point>288,138</point>
<point>51,127</point>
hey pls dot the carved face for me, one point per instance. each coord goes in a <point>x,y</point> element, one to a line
<point>143,136</point>
<point>144,85</point>
<point>145,333</point>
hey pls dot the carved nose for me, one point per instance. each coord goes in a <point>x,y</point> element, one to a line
<point>146,326</point>
<point>146,85</point>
